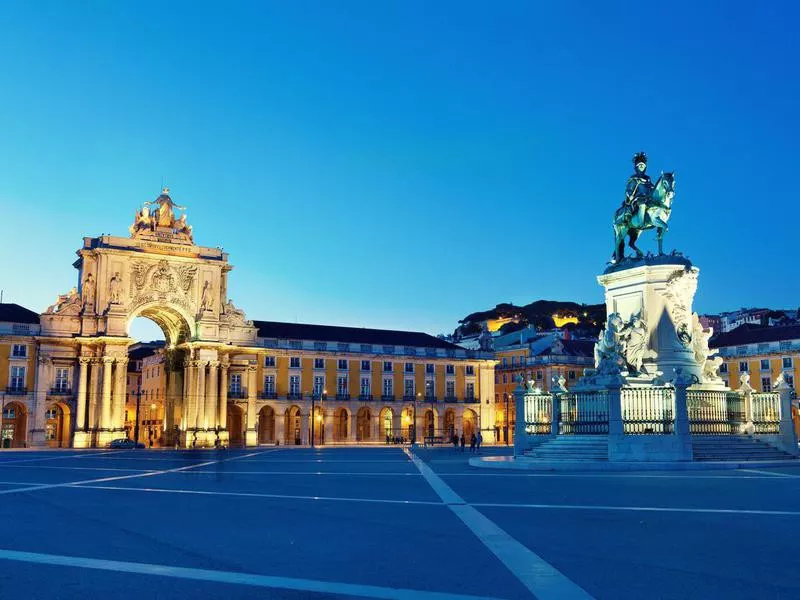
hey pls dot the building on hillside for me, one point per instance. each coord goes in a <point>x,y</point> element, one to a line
<point>537,356</point>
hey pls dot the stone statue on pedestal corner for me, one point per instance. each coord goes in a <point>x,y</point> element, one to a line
<point>647,205</point>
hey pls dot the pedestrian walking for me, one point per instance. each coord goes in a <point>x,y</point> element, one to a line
<point>473,442</point>
<point>480,441</point>
<point>454,439</point>
<point>463,441</point>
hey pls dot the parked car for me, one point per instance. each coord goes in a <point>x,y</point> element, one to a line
<point>125,443</point>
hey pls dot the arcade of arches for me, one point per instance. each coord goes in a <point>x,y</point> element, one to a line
<point>220,376</point>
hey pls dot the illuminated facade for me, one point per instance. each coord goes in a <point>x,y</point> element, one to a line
<point>536,356</point>
<point>220,376</point>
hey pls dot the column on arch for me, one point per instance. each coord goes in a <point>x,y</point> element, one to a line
<point>211,395</point>
<point>280,426</point>
<point>95,385</point>
<point>222,410</point>
<point>200,395</point>
<point>118,405</point>
<point>251,436</point>
<point>83,386</point>
<point>189,394</point>
<point>105,400</point>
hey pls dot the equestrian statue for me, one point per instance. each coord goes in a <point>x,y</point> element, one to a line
<point>647,205</point>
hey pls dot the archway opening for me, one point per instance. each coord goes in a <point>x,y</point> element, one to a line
<point>469,423</point>
<point>15,421</point>
<point>293,426</point>
<point>386,428</point>
<point>363,418</point>
<point>266,425</point>
<point>430,423</point>
<point>235,422</point>
<point>318,425</point>
<point>154,384</point>
<point>57,425</point>
<point>450,423</point>
<point>340,425</point>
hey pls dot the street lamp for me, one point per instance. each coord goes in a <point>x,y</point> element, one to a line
<point>314,414</point>
<point>150,425</point>
<point>505,420</point>
<point>414,426</point>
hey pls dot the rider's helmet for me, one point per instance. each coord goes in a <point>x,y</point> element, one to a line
<point>639,157</point>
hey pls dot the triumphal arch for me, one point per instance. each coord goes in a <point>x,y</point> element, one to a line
<point>159,273</point>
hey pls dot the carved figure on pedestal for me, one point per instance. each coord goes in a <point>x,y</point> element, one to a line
<point>88,292</point>
<point>183,228</point>
<point>142,221</point>
<point>610,346</point>
<point>678,297</point>
<point>234,316</point>
<point>622,345</point>
<point>207,300</point>
<point>115,289</point>
<point>165,213</point>
<point>646,206</point>
<point>69,303</point>
<point>708,359</point>
<point>485,341</point>
<point>636,350</point>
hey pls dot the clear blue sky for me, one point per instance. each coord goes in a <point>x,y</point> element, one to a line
<point>401,164</point>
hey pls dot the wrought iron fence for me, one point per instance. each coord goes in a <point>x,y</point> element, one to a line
<point>583,412</point>
<point>766,409</point>
<point>538,414</point>
<point>715,412</point>
<point>648,410</point>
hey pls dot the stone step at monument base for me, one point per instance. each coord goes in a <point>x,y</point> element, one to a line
<point>734,448</point>
<point>572,448</point>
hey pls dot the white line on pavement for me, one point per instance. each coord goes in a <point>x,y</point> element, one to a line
<point>253,495</point>
<point>774,474</point>
<point>541,578</point>
<point>301,473</point>
<point>114,469</point>
<point>33,488</point>
<point>251,579</point>
<point>723,511</point>
<point>59,457</point>
<point>618,475</point>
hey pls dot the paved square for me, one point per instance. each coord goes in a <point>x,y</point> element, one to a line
<point>385,523</point>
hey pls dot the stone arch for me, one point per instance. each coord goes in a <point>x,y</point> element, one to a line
<point>407,423</point>
<point>318,425</point>
<point>235,423</point>
<point>293,432</point>
<point>385,423</point>
<point>469,423</point>
<point>58,425</point>
<point>266,425</point>
<point>15,425</point>
<point>341,420</point>
<point>450,422</point>
<point>363,424</point>
<point>178,326</point>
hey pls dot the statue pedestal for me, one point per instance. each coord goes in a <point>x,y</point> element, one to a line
<point>659,290</point>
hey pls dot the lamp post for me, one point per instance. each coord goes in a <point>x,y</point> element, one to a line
<point>414,426</point>
<point>314,415</point>
<point>138,394</point>
<point>505,420</point>
<point>150,427</point>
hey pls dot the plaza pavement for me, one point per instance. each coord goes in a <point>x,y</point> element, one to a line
<point>386,523</point>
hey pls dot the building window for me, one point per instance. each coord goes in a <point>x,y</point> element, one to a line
<point>10,413</point>
<point>294,362</point>
<point>408,388</point>
<point>319,363</point>
<point>269,361</point>
<point>342,365</point>
<point>785,345</point>
<point>789,379</point>
<point>409,367</point>
<point>430,388</point>
<point>295,344</point>
<point>410,350</point>
<point>539,375</point>
<point>763,347</point>
<point>787,362</point>
<point>269,384</point>
<point>505,361</point>
<point>17,378</point>
<point>513,361</point>
<point>387,366</point>
<point>388,349</point>
<point>19,351</point>
<point>366,347</point>
<point>320,345</point>
<point>365,365</point>
<point>570,374</point>
<point>294,385</point>
<point>450,389</point>
<point>388,388</point>
<point>62,379</point>
<point>236,384</point>
<point>766,384</point>
<point>450,369</point>
<point>765,364</point>
<point>470,370</point>
<point>343,347</point>
<point>470,391</point>
<point>723,368</point>
<point>319,385</point>
<point>496,378</point>
<point>341,385</point>
<point>365,386</point>
<point>430,368</point>
<point>743,367</point>
<point>505,378</point>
